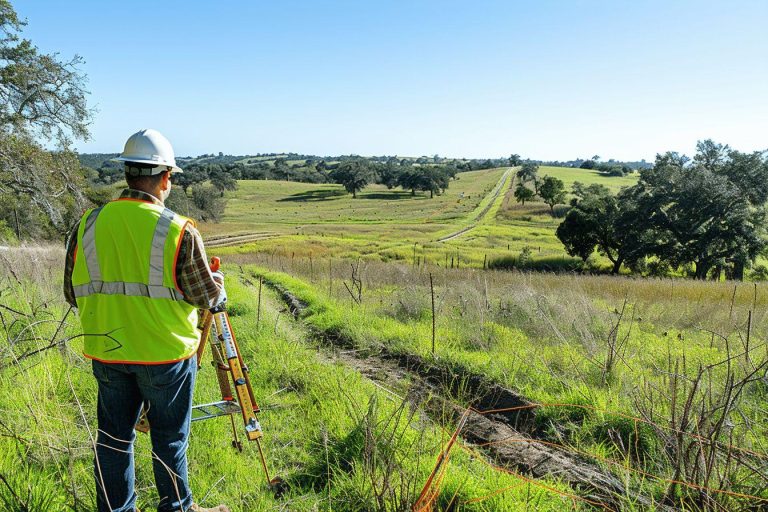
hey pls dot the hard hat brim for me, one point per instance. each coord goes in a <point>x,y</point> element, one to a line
<point>174,168</point>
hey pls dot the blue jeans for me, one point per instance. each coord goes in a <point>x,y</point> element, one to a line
<point>167,391</point>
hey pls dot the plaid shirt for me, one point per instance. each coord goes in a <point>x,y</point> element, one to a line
<point>192,271</point>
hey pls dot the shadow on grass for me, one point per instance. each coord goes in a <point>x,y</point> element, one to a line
<point>316,195</point>
<point>394,194</point>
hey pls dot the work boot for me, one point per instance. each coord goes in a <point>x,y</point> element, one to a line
<point>197,508</point>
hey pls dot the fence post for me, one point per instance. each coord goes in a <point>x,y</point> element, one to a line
<point>432,293</point>
<point>258,307</point>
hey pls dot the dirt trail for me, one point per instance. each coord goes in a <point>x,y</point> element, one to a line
<point>439,390</point>
<point>494,194</point>
<point>236,239</point>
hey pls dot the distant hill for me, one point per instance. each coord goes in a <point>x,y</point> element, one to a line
<point>102,160</point>
<point>98,160</point>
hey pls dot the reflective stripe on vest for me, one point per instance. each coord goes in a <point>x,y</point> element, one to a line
<point>130,289</point>
<point>154,290</point>
<point>129,304</point>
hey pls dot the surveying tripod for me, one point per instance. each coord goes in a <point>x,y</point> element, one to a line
<point>228,363</point>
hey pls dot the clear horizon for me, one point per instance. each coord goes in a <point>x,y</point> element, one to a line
<point>547,80</point>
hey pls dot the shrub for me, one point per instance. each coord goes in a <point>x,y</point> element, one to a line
<point>544,263</point>
<point>559,211</point>
<point>209,201</point>
<point>7,236</point>
<point>759,273</point>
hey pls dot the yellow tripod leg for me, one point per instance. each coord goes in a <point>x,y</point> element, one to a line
<point>224,335</point>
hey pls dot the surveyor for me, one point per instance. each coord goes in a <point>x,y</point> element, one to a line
<point>137,273</point>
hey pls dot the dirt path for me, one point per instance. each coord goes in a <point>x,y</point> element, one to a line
<point>493,194</point>
<point>236,239</point>
<point>439,390</point>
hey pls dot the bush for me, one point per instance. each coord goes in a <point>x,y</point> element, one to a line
<point>100,195</point>
<point>208,200</point>
<point>559,211</point>
<point>7,236</point>
<point>544,264</point>
<point>656,268</point>
<point>759,273</point>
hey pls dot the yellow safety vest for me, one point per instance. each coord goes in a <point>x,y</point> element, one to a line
<point>131,308</point>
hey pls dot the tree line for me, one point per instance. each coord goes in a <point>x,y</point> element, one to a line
<point>703,216</point>
<point>353,173</point>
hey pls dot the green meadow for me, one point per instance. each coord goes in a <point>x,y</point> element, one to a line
<point>323,220</point>
<point>658,384</point>
<point>339,441</point>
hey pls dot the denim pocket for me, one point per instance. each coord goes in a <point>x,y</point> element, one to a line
<point>161,376</point>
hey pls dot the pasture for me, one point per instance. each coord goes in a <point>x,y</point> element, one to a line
<point>382,224</point>
<point>372,345</point>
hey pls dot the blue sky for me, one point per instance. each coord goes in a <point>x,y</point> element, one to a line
<point>545,79</point>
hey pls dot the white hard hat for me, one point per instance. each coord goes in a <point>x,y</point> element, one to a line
<point>149,147</point>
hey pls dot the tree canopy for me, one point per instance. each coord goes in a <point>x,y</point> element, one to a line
<point>40,94</point>
<point>552,191</point>
<point>707,213</point>
<point>353,174</point>
<point>594,222</point>
<point>42,99</point>
<point>523,193</point>
<point>528,172</point>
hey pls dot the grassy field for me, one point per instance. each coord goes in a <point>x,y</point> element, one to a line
<point>659,384</point>
<point>588,177</point>
<point>635,374</point>
<point>288,207</point>
<point>339,441</point>
<point>382,224</point>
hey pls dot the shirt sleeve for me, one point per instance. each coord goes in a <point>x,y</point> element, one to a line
<point>69,265</point>
<point>193,274</point>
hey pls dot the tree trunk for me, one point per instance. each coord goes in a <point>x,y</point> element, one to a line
<point>617,265</point>
<point>738,270</point>
<point>431,194</point>
<point>702,269</point>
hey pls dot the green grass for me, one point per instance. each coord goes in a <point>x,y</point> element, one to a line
<point>338,440</point>
<point>588,177</point>
<point>382,224</point>
<point>328,430</point>
<point>282,205</point>
<point>546,336</point>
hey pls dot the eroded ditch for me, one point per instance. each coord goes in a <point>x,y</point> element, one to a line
<point>440,389</point>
